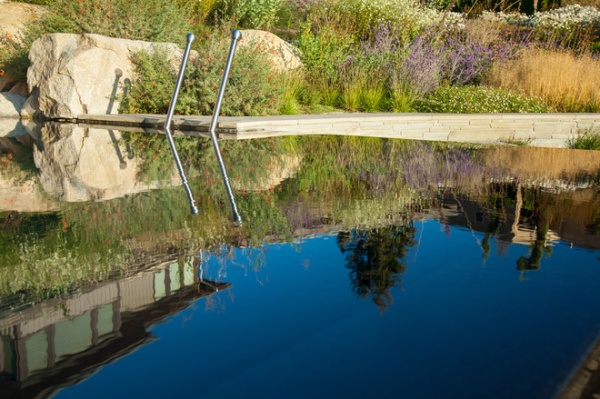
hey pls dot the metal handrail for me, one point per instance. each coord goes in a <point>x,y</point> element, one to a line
<point>236,35</point>
<point>189,39</point>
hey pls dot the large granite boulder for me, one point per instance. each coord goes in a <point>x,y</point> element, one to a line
<point>285,57</point>
<point>73,74</point>
<point>82,164</point>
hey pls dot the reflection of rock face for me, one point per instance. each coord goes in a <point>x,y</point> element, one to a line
<point>17,191</point>
<point>81,74</point>
<point>78,164</point>
<point>284,167</point>
<point>10,105</point>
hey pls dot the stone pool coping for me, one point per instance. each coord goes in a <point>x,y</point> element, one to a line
<point>538,130</point>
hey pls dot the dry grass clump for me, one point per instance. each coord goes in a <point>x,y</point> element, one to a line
<point>565,81</point>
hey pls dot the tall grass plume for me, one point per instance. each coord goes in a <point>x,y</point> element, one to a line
<point>566,81</point>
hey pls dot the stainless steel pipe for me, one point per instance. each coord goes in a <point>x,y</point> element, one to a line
<point>189,39</point>
<point>236,35</point>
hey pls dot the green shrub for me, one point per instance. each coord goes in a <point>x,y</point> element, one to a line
<point>401,97</point>
<point>251,14</point>
<point>153,84</point>
<point>590,140</point>
<point>323,55</point>
<point>198,10</point>
<point>150,20</point>
<point>475,99</point>
<point>253,87</point>
<point>407,17</point>
<point>14,59</point>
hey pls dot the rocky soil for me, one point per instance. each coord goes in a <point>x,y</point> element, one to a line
<point>13,16</point>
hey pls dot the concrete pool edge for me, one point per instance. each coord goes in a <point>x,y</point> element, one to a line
<point>536,130</point>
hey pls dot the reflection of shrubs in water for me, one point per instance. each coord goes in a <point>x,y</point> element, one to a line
<point>153,150</point>
<point>248,162</point>
<point>425,168</point>
<point>375,259</point>
<point>16,157</point>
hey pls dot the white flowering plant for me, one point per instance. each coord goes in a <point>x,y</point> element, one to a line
<point>406,16</point>
<point>567,24</point>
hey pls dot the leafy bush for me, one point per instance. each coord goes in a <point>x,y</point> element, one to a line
<point>571,26</point>
<point>323,54</point>
<point>253,87</point>
<point>455,57</point>
<point>408,17</point>
<point>590,140</point>
<point>150,20</point>
<point>153,84</point>
<point>474,99</point>
<point>14,59</point>
<point>199,10</point>
<point>251,14</point>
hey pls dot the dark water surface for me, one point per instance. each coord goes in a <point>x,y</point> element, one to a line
<point>457,327</point>
<point>363,268</point>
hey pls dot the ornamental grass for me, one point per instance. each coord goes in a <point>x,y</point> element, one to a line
<point>563,80</point>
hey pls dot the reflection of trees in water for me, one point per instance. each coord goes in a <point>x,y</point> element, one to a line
<point>374,258</point>
<point>540,217</point>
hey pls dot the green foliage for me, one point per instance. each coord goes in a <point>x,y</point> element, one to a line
<point>14,55</point>
<point>337,162</point>
<point>323,55</point>
<point>407,17</point>
<point>150,20</point>
<point>199,11</point>
<point>253,88</point>
<point>373,96</point>
<point>250,14</point>
<point>249,162</point>
<point>590,140</point>
<point>18,164</point>
<point>474,99</point>
<point>155,153</point>
<point>401,97</point>
<point>151,90</point>
<point>297,91</point>
<point>263,216</point>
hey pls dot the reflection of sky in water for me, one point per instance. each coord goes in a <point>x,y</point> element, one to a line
<point>457,327</point>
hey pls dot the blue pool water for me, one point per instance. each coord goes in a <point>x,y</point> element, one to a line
<point>458,325</point>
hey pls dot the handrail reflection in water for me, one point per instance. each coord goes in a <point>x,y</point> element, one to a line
<point>236,35</point>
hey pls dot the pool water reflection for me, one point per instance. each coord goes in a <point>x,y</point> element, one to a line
<point>364,268</point>
<point>457,327</point>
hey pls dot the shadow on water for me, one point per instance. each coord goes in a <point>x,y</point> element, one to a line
<point>95,230</point>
